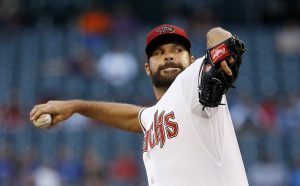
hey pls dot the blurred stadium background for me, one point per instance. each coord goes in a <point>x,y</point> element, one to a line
<point>84,49</point>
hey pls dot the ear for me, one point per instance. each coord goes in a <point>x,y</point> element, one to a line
<point>147,68</point>
<point>192,59</point>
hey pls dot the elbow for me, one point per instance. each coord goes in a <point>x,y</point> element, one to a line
<point>134,126</point>
<point>137,130</point>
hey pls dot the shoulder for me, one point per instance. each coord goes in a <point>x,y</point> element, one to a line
<point>145,115</point>
<point>197,62</point>
<point>194,68</point>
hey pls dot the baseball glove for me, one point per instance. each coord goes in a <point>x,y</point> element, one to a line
<point>214,81</point>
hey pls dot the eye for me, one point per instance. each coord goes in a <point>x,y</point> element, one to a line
<point>177,50</point>
<point>157,52</point>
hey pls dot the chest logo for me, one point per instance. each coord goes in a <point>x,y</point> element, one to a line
<point>163,127</point>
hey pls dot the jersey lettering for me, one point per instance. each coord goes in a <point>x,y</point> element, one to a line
<point>162,125</point>
<point>151,138</point>
<point>146,137</point>
<point>159,128</point>
<point>171,127</point>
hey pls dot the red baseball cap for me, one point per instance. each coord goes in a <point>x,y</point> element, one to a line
<point>166,33</point>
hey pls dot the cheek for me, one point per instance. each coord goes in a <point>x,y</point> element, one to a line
<point>153,70</point>
<point>153,66</point>
<point>186,60</point>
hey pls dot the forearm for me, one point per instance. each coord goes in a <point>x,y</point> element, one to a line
<point>119,115</point>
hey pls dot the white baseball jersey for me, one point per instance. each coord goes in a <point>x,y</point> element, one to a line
<point>185,146</point>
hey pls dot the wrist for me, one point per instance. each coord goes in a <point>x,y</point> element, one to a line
<point>77,106</point>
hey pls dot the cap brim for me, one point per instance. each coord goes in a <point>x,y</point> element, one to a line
<point>167,38</point>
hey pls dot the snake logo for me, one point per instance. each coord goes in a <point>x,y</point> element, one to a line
<point>165,29</point>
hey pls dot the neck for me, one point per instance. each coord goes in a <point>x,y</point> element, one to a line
<point>159,91</point>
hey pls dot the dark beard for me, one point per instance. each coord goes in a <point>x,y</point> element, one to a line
<point>163,81</point>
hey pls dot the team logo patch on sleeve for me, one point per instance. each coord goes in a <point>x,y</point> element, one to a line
<point>207,67</point>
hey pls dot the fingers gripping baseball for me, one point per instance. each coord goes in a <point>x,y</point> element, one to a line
<point>57,109</point>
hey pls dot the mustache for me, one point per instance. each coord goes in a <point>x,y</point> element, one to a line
<point>170,65</point>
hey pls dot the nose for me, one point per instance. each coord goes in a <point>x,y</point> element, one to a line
<point>169,57</point>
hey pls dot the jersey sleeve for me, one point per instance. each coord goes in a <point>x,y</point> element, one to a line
<point>189,82</point>
<point>140,119</point>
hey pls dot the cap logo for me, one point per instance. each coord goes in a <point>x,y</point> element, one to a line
<point>165,29</point>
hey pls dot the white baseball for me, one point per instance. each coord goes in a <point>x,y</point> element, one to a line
<point>43,121</point>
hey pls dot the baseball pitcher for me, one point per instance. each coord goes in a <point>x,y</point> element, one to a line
<point>189,138</point>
